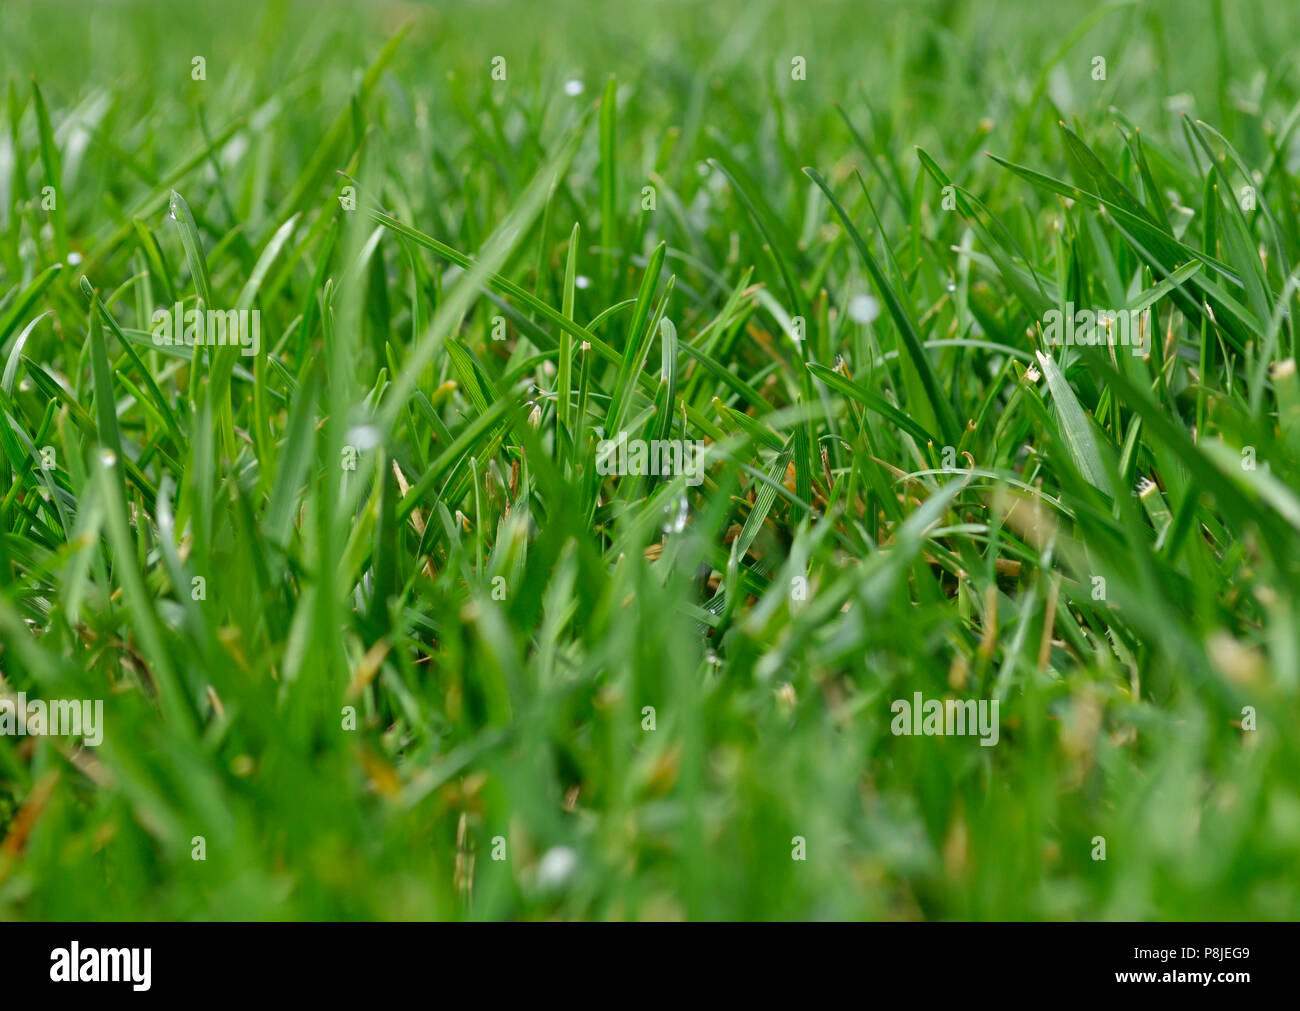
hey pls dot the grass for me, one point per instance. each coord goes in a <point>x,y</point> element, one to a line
<point>365,616</point>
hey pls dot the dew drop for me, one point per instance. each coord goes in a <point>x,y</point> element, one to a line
<point>364,437</point>
<point>863,308</point>
<point>556,866</point>
<point>675,515</point>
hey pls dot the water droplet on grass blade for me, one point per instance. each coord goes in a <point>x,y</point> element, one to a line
<point>676,514</point>
<point>364,437</point>
<point>863,309</point>
<point>556,866</point>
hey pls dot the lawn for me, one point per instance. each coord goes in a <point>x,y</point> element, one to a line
<point>650,460</point>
